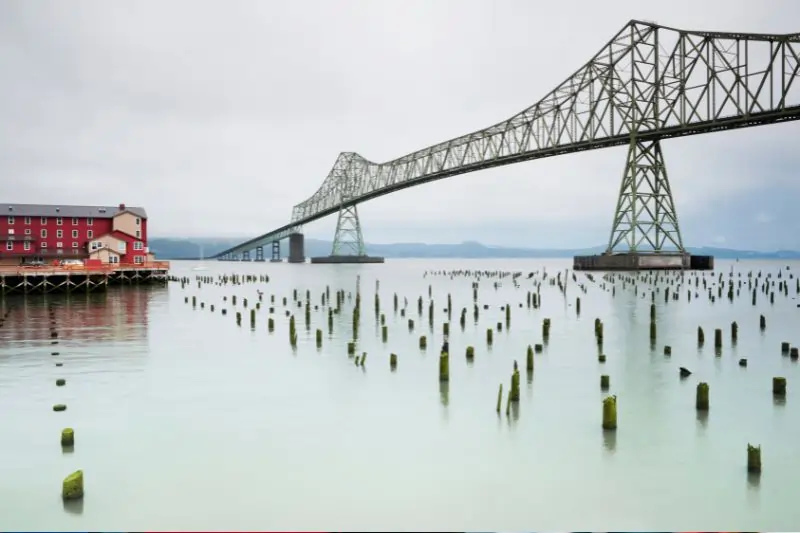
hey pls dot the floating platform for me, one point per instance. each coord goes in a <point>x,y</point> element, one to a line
<point>636,261</point>
<point>344,259</point>
<point>48,279</point>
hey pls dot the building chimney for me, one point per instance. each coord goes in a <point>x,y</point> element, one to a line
<point>122,207</point>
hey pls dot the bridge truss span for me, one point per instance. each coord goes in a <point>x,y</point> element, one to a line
<point>648,83</point>
<point>657,82</point>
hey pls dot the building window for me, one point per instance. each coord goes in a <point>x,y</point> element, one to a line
<point>44,234</point>
<point>95,245</point>
<point>121,246</point>
<point>138,259</point>
<point>10,231</point>
<point>9,245</point>
<point>89,234</point>
<point>27,221</point>
<point>138,221</point>
<point>59,244</point>
<point>74,234</point>
<point>43,221</point>
<point>89,221</point>
<point>26,246</point>
<point>138,234</point>
<point>43,245</point>
<point>74,221</point>
<point>10,221</point>
<point>27,231</point>
<point>59,233</point>
<point>59,221</point>
<point>74,244</point>
<point>138,245</point>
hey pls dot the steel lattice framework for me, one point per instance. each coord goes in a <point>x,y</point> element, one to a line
<point>648,83</point>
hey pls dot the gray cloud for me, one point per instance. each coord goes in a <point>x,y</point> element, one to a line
<point>219,117</point>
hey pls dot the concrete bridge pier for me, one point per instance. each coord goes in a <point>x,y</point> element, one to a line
<point>276,252</point>
<point>297,244</point>
<point>260,254</point>
<point>246,255</point>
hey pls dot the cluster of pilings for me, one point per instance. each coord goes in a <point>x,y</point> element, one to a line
<point>669,286</point>
<point>72,485</point>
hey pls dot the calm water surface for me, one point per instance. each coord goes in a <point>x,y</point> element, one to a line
<point>185,420</point>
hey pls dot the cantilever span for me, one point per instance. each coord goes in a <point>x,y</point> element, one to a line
<point>648,83</point>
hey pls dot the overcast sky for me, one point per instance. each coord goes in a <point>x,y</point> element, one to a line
<point>219,117</point>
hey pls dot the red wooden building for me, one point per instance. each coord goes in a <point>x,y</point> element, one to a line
<point>30,232</point>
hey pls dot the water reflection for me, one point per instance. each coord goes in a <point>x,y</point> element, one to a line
<point>610,440</point>
<point>754,480</point>
<point>120,314</point>
<point>73,506</point>
<point>513,412</point>
<point>779,401</point>
<point>444,393</point>
<point>702,418</point>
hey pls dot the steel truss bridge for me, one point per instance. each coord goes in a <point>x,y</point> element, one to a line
<point>648,83</point>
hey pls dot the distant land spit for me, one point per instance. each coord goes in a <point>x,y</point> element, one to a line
<point>197,248</point>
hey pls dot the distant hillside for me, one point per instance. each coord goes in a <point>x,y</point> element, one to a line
<point>195,248</point>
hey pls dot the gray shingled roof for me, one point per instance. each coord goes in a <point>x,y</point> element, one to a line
<point>67,211</point>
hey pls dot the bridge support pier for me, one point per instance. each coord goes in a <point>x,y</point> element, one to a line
<point>276,252</point>
<point>260,254</point>
<point>645,234</point>
<point>348,241</point>
<point>246,255</point>
<point>297,253</point>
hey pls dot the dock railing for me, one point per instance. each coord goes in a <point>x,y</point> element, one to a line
<point>80,269</point>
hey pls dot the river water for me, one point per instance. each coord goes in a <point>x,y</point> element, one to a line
<point>184,420</point>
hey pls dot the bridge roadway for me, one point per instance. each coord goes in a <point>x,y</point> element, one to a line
<point>647,84</point>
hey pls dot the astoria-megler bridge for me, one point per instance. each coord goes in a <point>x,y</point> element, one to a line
<point>647,84</point>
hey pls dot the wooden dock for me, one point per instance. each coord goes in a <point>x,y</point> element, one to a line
<point>79,278</point>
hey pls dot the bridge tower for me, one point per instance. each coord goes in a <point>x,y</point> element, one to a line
<point>348,241</point>
<point>645,232</point>
<point>645,219</point>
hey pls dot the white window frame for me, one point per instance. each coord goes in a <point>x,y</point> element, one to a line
<point>59,221</point>
<point>43,221</point>
<point>89,234</point>
<point>122,247</point>
<point>26,246</point>
<point>27,231</point>
<point>74,221</point>
<point>27,221</point>
<point>9,246</point>
<point>74,234</point>
<point>43,234</point>
<point>74,244</point>
<point>42,245</point>
<point>90,221</point>
<point>59,234</point>
<point>10,220</point>
<point>138,246</point>
<point>138,259</point>
<point>59,244</point>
